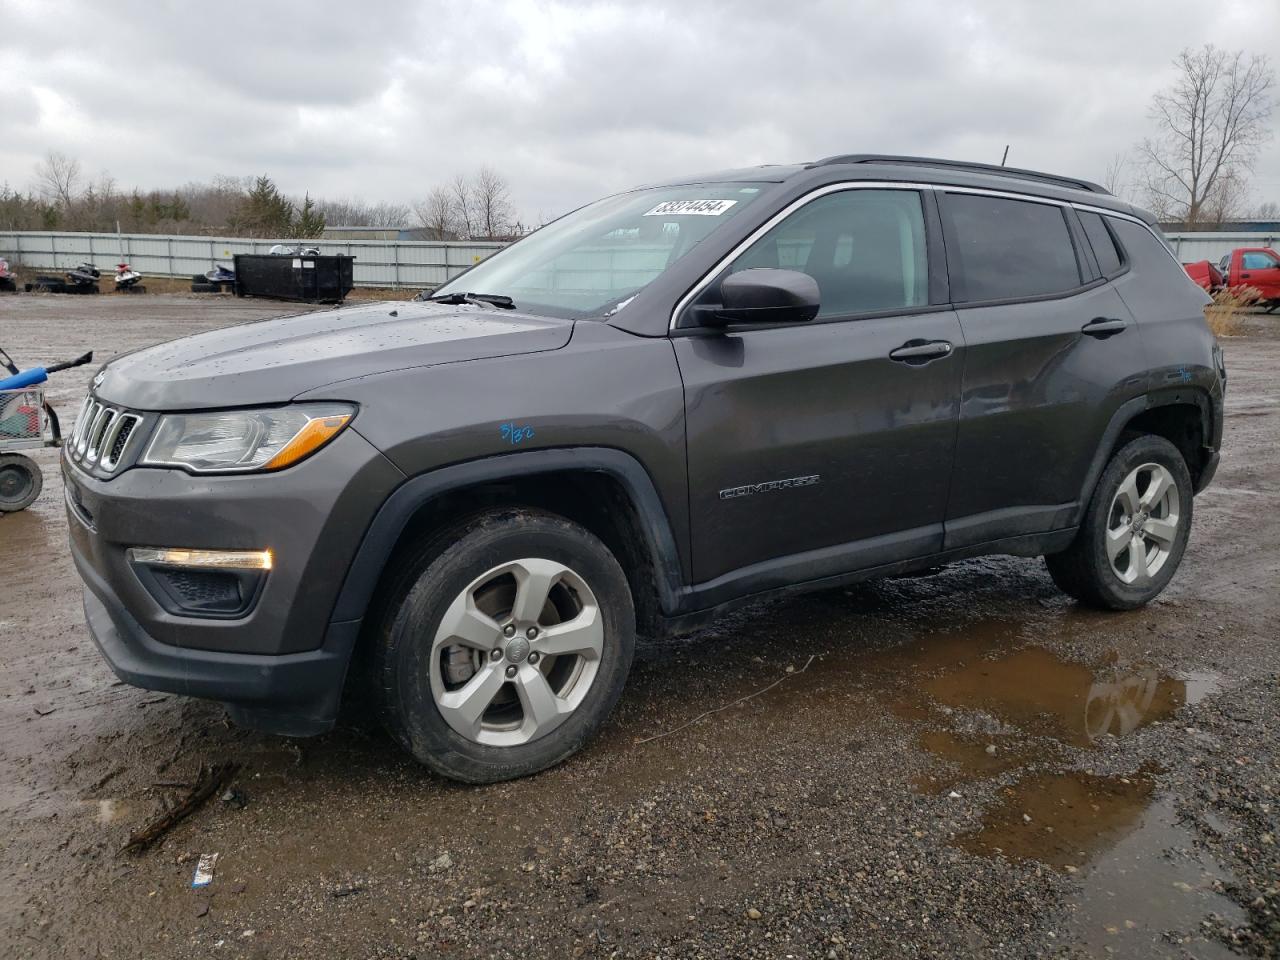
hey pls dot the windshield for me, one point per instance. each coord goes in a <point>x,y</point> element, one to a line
<point>593,260</point>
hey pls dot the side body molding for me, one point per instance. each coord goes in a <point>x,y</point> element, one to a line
<point>395,514</point>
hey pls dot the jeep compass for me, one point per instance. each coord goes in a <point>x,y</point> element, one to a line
<point>666,403</point>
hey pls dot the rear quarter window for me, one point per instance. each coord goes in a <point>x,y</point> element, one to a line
<point>1103,244</point>
<point>999,249</point>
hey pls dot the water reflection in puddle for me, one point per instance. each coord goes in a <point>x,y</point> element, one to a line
<point>1001,710</point>
<point>1150,881</point>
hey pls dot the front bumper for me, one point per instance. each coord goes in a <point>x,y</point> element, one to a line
<point>294,694</point>
<point>281,665</point>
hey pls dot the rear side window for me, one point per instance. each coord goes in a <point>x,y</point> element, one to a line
<point>1104,245</point>
<point>866,249</point>
<point>1001,249</point>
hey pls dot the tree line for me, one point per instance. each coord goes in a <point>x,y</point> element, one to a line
<point>63,197</point>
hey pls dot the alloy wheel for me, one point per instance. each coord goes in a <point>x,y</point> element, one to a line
<point>1142,524</point>
<point>516,652</point>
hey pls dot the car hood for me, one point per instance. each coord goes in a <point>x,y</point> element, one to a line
<point>272,361</point>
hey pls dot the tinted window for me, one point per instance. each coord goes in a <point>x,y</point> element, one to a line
<point>866,249</point>
<point>1104,245</point>
<point>1001,249</point>
<point>1257,261</point>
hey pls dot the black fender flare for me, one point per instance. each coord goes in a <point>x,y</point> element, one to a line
<point>395,513</point>
<point>1189,395</point>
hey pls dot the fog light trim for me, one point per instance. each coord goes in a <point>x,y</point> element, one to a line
<point>202,559</point>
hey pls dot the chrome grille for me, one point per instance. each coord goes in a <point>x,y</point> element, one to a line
<point>101,435</point>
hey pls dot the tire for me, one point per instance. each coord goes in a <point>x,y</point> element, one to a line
<point>203,287</point>
<point>506,727</point>
<point>20,482</point>
<point>1124,578</point>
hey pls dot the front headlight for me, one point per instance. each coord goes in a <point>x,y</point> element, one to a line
<point>244,440</point>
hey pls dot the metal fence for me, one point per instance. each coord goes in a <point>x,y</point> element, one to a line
<point>1191,247</point>
<point>378,263</point>
<point>411,263</point>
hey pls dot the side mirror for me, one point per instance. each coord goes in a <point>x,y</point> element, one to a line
<point>763,295</point>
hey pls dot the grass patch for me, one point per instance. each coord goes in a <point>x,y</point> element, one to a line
<point>1227,312</point>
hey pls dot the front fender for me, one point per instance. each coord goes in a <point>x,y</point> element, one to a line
<point>395,514</point>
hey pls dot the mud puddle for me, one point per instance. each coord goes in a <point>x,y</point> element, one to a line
<point>1150,882</point>
<point>992,710</point>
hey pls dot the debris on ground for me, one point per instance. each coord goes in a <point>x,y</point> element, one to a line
<point>209,781</point>
<point>204,870</point>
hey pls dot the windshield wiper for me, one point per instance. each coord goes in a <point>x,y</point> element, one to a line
<point>457,299</point>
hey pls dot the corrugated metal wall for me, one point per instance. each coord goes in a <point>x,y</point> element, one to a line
<point>379,263</point>
<point>1191,247</point>
<point>393,263</point>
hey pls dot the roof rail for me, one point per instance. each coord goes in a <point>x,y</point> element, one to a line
<point>987,168</point>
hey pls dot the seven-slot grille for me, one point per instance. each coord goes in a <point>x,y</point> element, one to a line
<point>101,436</point>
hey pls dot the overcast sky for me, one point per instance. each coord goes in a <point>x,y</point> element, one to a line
<point>381,100</point>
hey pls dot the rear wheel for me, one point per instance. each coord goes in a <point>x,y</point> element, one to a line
<point>1134,531</point>
<point>20,482</point>
<point>507,647</point>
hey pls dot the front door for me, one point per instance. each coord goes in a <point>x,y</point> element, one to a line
<point>822,447</point>
<point>1260,269</point>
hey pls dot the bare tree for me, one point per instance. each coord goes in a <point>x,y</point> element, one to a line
<point>1211,122</point>
<point>1269,210</point>
<point>58,179</point>
<point>463,206</point>
<point>346,212</point>
<point>1225,201</point>
<point>436,212</point>
<point>492,199</point>
<point>1114,178</point>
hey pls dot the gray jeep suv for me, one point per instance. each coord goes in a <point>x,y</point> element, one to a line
<point>666,403</point>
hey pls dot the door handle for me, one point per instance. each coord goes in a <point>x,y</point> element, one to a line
<point>918,352</point>
<point>1103,327</point>
<point>1245,276</point>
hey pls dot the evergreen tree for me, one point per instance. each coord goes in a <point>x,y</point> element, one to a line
<point>264,211</point>
<point>137,211</point>
<point>178,209</point>
<point>310,222</point>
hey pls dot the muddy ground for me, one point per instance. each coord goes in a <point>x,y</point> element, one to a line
<point>958,764</point>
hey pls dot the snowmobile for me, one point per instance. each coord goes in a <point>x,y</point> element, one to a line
<point>127,279</point>
<point>83,279</point>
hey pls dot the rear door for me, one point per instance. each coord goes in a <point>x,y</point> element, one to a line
<point>1051,351</point>
<point>820,447</point>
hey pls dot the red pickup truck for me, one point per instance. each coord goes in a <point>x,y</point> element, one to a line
<point>1206,274</point>
<point>1256,268</point>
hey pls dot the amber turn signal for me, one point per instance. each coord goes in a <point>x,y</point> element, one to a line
<point>308,440</point>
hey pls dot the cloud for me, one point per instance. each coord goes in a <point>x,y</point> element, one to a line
<point>382,100</point>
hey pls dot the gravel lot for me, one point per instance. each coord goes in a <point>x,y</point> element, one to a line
<point>958,764</point>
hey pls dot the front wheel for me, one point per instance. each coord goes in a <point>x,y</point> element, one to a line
<point>507,646</point>
<point>1134,531</point>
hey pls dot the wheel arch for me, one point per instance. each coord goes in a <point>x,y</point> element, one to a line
<point>605,490</point>
<point>1182,415</point>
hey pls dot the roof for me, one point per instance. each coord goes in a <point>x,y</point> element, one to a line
<point>989,169</point>
<point>958,173</point>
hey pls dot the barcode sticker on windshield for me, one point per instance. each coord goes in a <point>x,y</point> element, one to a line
<point>691,208</point>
